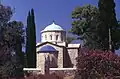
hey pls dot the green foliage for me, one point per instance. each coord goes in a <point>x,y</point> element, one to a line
<point>31,40</point>
<point>9,33</point>
<point>69,39</point>
<point>85,21</point>
<point>92,25</point>
<point>96,64</point>
<point>11,67</point>
<point>5,14</point>
<point>108,21</point>
<point>13,30</point>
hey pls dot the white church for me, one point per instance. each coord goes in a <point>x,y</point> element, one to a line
<point>53,44</point>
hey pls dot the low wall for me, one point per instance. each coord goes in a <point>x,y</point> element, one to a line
<point>59,71</point>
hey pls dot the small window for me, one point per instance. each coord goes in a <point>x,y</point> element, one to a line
<point>61,38</point>
<point>50,37</point>
<point>56,37</point>
<point>45,37</point>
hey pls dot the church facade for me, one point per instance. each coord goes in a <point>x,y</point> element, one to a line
<point>53,45</point>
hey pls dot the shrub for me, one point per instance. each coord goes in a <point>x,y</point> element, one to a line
<point>96,64</point>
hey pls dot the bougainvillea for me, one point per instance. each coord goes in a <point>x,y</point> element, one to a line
<point>96,64</point>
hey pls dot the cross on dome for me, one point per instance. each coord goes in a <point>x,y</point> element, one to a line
<point>53,22</point>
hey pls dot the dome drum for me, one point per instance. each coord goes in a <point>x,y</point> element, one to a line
<point>53,33</point>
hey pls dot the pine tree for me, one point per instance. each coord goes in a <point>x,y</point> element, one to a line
<point>84,24</point>
<point>97,28</point>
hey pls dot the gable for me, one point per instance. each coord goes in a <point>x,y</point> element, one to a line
<point>41,44</point>
<point>57,47</point>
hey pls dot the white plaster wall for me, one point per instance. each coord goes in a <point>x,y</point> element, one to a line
<point>74,45</point>
<point>61,36</point>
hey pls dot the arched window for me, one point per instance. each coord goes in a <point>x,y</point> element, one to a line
<point>56,37</point>
<point>50,37</point>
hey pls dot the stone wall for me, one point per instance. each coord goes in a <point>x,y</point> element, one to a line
<point>73,53</point>
<point>60,56</point>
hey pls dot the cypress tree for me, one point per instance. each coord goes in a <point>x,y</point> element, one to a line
<point>28,40</point>
<point>31,40</point>
<point>108,25</point>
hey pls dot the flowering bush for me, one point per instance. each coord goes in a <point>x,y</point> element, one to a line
<point>96,64</point>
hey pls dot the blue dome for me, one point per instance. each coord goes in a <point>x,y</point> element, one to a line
<point>47,48</point>
<point>53,27</point>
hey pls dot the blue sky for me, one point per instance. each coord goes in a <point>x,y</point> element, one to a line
<point>48,10</point>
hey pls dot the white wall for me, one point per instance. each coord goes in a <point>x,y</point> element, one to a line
<point>46,36</point>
